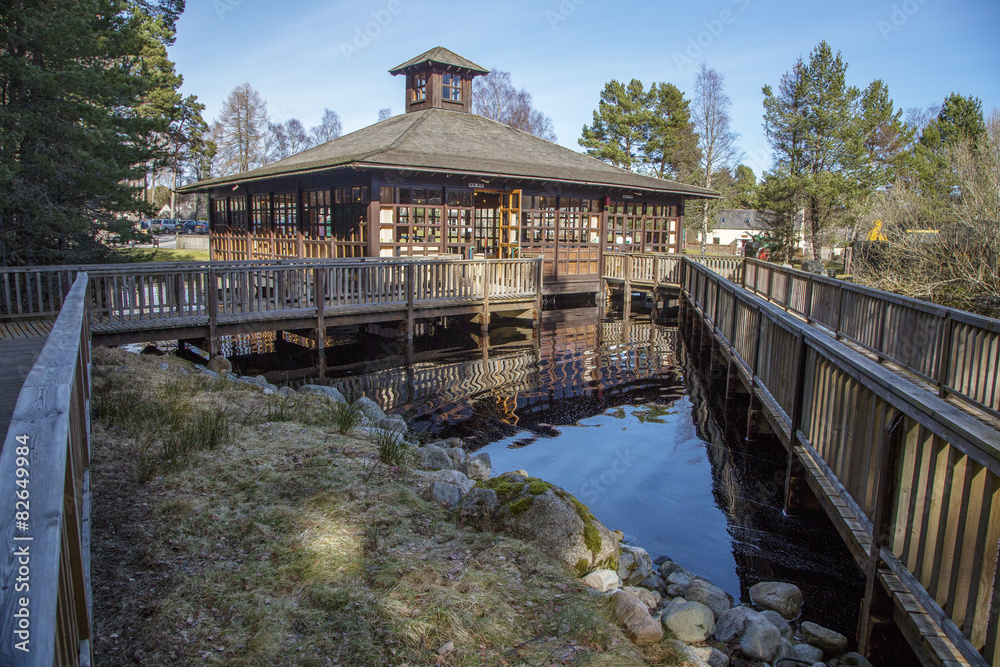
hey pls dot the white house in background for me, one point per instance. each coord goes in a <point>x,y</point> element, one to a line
<point>734,227</point>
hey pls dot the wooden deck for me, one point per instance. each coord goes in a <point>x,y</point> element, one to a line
<point>910,480</point>
<point>17,356</point>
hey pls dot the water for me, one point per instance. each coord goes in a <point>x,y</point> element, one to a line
<point>616,414</point>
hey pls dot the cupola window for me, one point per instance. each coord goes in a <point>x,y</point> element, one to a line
<point>452,88</point>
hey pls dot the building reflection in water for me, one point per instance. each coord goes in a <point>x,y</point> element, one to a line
<point>520,386</point>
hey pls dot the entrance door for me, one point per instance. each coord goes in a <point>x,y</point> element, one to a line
<point>497,224</point>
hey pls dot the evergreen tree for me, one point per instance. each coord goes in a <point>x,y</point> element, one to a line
<point>671,149</point>
<point>74,76</point>
<point>644,131</point>
<point>621,125</point>
<point>960,119</point>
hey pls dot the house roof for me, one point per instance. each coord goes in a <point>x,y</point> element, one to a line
<point>738,219</point>
<point>441,141</point>
<point>439,56</point>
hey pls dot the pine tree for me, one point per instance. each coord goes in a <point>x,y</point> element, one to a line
<point>671,149</point>
<point>621,125</point>
<point>73,138</point>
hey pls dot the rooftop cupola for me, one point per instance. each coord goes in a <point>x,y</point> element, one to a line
<point>439,79</point>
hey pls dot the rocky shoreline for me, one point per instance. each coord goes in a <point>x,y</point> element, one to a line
<point>654,600</point>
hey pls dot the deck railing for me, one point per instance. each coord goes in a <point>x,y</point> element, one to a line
<point>918,477</point>
<point>955,350</point>
<point>199,292</point>
<point>661,268</point>
<point>45,608</point>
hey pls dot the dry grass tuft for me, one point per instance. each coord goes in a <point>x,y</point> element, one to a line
<point>263,545</point>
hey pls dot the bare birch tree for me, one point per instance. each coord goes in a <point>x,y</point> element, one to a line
<point>496,98</point>
<point>717,140</point>
<point>244,124</point>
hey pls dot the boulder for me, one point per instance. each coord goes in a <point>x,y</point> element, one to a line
<point>285,392</point>
<point>684,655</point>
<point>786,599</point>
<point>709,595</point>
<point>691,622</point>
<point>634,564</point>
<point>668,567</point>
<point>476,467</point>
<point>164,366</point>
<point>783,627</point>
<point>649,598</point>
<point>395,423</point>
<point>731,623</point>
<point>370,409</point>
<point>851,659</point>
<point>450,476</point>
<point>760,639</point>
<point>653,583</point>
<point>430,457</point>
<point>814,266</point>
<point>457,454</point>
<point>220,365</point>
<point>211,374</point>
<point>446,494</point>
<point>552,518</point>
<point>323,390</point>
<point>832,643</point>
<point>810,653</point>
<point>634,616</point>
<point>713,657</point>
<point>602,580</point>
<point>480,505</point>
<point>619,535</point>
<point>261,381</point>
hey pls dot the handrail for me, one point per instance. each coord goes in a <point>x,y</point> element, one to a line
<point>925,492</point>
<point>45,607</point>
<point>957,351</point>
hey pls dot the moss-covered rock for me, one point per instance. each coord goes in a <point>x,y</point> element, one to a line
<point>536,510</point>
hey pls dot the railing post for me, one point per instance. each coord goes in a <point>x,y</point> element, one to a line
<point>944,356</point>
<point>877,607</point>
<point>319,291</point>
<point>538,293</point>
<point>627,295</point>
<point>486,296</point>
<point>809,301</point>
<point>410,297</point>
<point>840,312</point>
<point>788,289</point>
<point>212,286</point>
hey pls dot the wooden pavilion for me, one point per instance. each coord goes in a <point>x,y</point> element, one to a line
<point>440,180</point>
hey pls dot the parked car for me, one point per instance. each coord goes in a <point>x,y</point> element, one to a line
<point>168,226</point>
<point>193,227</point>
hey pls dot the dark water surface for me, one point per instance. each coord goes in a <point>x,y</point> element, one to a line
<point>616,414</point>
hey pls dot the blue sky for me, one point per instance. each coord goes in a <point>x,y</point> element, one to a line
<point>305,55</point>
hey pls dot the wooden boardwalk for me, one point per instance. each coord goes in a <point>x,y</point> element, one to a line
<point>909,479</point>
<point>17,356</point>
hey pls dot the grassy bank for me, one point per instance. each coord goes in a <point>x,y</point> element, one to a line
<point>233,528</point>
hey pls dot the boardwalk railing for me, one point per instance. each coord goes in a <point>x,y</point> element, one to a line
<point>45,616</point>
<point>661,269</point>
<point>912,482</point>
<point>957,351</point>
<point>138,296</point>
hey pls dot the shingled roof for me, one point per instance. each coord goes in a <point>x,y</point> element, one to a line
<point>440,56</point>
<point>440,141</point>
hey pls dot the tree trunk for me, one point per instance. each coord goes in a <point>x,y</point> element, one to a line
<point>704,212</point>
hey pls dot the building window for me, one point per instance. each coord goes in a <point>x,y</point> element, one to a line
<point>285,214</point>
<point>316,213</point>
<point>452,88</point>
<point>349,220</point>
<point>260,213</point>
<point>419,87</point>
<point>238,213</point>
<point>220,218</point>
